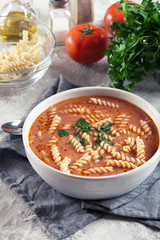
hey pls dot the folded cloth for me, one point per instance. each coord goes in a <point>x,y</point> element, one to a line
<point>142,203</point>
<point>62,215</point>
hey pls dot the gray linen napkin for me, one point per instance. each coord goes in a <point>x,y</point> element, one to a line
<point>62,215</point>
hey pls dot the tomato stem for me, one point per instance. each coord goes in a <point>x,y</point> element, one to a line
<point>87,30</point>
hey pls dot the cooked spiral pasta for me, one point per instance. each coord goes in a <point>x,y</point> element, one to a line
<point>56,154</point>
<point>126,149</point>
<point>43,152</point>
<point>64,167</point>
<point>140,148</point>
<point>120,163</point>
<point>130,141</point>
<point>124,131</point>
<point>124,122</point>
<point>137,130</point>
<point>146,127</point>
<point>52,113</point>
<point>107,147</point>
<point>89,147</point>
<point>103,102</point>
<point>54,139</point>
<point>99,170</point>
<point>39,133</point>
<point>93,118</point>
<point>82,161</point>
<point>86,136</point>
<point>113,131</point>
<point>119,118</point>
<point>78,146</point>
<point>109,137</point>
<point>55,122</point>
<point>74,110</point>
<point>106,120</point>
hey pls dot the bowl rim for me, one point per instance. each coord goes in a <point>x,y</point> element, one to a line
<point>38,106</point>
<point>41,62</point>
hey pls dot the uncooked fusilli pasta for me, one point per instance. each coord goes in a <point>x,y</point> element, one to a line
<point>19,57</point>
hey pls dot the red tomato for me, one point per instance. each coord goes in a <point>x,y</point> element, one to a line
<point>86,43</point>
<point>112,14</point>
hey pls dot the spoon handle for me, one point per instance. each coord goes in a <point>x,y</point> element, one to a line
<point>14,128</point>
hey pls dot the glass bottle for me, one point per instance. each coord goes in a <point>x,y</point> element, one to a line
<point>82,11</point>
<point>59,19</point>
<point>13,13</point>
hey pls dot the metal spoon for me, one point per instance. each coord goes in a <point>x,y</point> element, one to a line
<point>14,127</point>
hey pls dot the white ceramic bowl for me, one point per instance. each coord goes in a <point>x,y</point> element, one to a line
<point>91,187</point>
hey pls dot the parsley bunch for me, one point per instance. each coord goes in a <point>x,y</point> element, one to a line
<point>135,49</point>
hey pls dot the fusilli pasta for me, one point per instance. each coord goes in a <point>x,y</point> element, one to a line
<point>20,57</point>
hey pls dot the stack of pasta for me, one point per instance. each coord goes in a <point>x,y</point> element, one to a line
<point>21,56</point>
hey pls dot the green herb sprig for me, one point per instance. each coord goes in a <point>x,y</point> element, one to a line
<point>62,132</point>
<point>135,49</point>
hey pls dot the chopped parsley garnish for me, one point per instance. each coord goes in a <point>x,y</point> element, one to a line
<point>98,140</point>
<point>100,157</point>
<point>62,133</point>
<point>83,125</point>
<point>83,141</point>
<point>100,130</point>
<point>107,127</point>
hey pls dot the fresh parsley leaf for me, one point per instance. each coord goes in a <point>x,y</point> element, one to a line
<point>98,140</point>
<point>62,133</point>
<point>83,141</point>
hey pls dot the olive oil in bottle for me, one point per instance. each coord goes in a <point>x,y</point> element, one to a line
<point>17,16</point>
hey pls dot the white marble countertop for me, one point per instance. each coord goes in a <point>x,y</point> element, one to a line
<point>17,222</point>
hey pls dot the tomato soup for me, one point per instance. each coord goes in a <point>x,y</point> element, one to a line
<point>94,136</point>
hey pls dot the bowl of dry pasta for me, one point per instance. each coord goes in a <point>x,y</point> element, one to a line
<point>26,51</point>
<point>93,142</point>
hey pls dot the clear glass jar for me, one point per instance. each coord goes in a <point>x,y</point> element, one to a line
<point>82,11</point>
<point>17,8</point>
<point>21,8</point>
<point>59,19</point>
